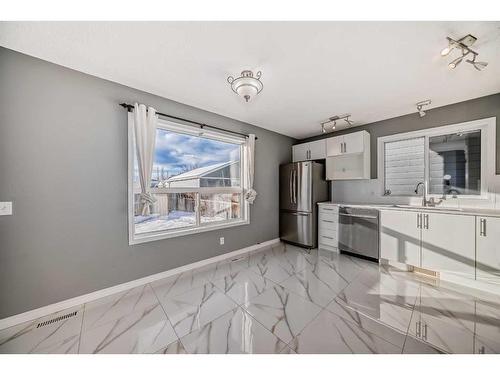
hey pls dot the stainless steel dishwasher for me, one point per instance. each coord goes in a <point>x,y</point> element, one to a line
<point>359,232</point>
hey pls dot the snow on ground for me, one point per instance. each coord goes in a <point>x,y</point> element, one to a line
<point>175,219</point>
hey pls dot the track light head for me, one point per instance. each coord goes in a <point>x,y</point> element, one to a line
<point>455,62</point>
<point>445,51</point>
<point>479,65</point>
<point>420,106</point>
<point>349,122</point>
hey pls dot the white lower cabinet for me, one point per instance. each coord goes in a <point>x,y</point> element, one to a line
<point>488,249</point>
<point>400,237</point>
<point>328,227</point>
<point>448,243</point>
<point>434,241</point>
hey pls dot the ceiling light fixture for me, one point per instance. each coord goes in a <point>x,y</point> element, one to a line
<point>247,86</point>
<point>420,106</point>
<point>331,123</point>
<point>463,45</point>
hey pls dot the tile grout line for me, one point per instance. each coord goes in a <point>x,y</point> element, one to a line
<point>242,307</point>
<point>321,310</point>
<point>81,329</point>
<point>168,318</point>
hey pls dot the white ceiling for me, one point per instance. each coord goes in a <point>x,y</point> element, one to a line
<point>310,70</point>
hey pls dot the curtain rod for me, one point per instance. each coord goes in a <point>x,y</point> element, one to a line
<point>130,108</point>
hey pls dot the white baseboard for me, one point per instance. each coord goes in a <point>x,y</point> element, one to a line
<point>66,304</point>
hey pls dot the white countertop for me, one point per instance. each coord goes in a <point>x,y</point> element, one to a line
<point>443,210</point>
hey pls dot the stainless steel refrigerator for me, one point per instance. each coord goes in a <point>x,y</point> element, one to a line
<point>302,186</point>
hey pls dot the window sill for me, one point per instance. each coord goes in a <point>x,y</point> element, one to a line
<point>156,236</point>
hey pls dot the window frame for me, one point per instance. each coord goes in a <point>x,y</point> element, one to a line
<point>135,238</point>
<point>487,127</point>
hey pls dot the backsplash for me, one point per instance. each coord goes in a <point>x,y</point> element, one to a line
<point>370,191</point>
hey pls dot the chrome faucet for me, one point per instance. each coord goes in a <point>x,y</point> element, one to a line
<point>425,202</point>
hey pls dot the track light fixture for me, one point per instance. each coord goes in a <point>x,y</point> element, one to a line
<point>331,123</point>
<point>463,45</point>
<point>420,106</point>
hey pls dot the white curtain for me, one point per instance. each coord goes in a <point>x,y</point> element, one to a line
<point>145,122</point>
<point>250,193</point>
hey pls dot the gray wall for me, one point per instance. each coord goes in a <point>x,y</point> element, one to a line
<point>63,162</point>
<point>487,106</point>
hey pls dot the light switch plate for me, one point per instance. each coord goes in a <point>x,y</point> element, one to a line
<point>5,208</point>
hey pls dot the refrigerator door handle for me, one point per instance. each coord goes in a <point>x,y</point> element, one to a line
<point>290,188</point>
<point>295,186</point>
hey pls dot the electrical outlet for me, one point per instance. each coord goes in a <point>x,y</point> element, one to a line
<point>5,208</point>
<point>221,240</point>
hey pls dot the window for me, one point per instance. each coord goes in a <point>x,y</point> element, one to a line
<point>455,160</point>
<point>404,165</point>
<point>455,163</point>
<point>197,182</point>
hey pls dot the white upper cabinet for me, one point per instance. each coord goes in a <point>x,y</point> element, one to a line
<point>448,243</point>
<point>355,142</point>
<point>348,156</point>
<point>352,143</point>
<point>488,249</point>
<point>309,151</point>
<point>300,152</point>
<point>334,146</point>
<point>317,149</point>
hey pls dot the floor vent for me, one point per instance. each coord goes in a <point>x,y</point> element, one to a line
<point>59,318</point>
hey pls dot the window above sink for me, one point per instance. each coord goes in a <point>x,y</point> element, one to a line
<point>454,160</point>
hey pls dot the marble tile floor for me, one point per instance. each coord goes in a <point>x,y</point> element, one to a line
<point>281,300</point>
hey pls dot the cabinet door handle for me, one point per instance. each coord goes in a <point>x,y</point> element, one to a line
<point>345,147</point>
<point>425,332</point>
<point>327,221</point>
<point>417,328</point>
<point>426,221</point>
<point>419,221</point>
<point>482,227</point>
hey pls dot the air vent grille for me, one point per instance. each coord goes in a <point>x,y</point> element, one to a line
<point>58,319</point>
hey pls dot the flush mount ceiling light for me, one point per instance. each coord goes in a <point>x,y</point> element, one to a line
<point>463,45</point>
<point>331,123</point>
<point>247,86</point>
<point>420,105</point>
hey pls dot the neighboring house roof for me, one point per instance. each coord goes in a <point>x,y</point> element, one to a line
<point>200,172</point>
